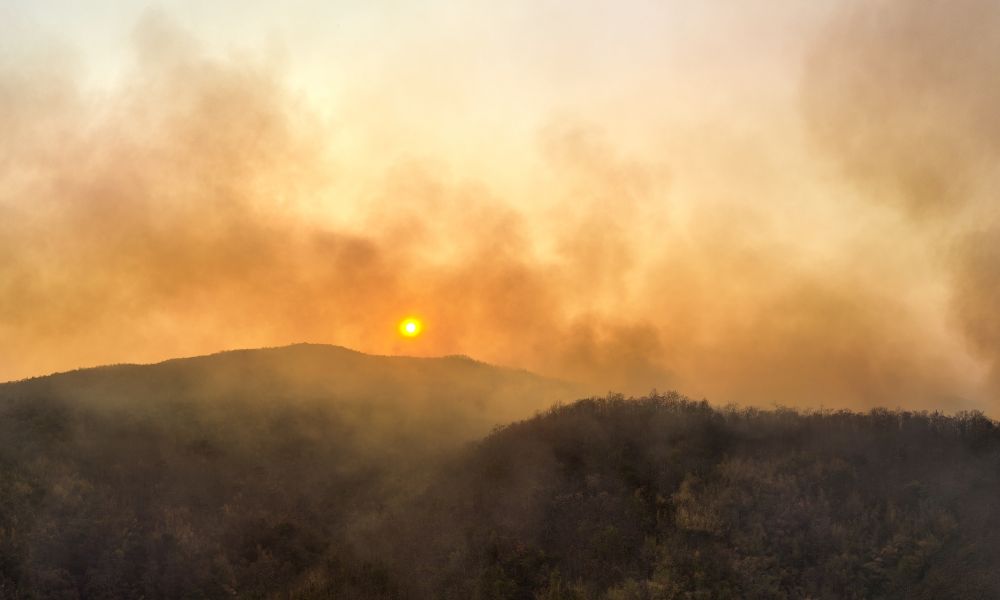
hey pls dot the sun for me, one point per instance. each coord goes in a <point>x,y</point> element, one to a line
<point>410,327</point>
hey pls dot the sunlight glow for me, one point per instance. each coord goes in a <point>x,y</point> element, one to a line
<point>410,327</point>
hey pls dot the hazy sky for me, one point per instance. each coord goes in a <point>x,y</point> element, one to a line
<point>757,202</point>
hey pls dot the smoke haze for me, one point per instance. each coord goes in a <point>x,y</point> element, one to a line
<point>689,234</point>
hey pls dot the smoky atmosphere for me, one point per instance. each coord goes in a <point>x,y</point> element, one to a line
<point>638,300</point>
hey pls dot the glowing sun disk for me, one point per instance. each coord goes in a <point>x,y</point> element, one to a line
<point>410,327</point>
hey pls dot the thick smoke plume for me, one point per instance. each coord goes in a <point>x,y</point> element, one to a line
<point>200,204</point>
<point>905,96</point>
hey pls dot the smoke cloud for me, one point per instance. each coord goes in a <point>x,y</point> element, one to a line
<point>200,203</point>
<point>904,95</point>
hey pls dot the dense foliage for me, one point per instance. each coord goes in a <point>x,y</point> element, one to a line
<point>665,498</point>
<point>203,495</point>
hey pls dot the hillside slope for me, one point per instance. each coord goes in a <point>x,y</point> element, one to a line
<point>665,498</point>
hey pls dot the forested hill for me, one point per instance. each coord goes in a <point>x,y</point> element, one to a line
<point>454,396</point>
<point>316,472</point>
<point>662,497</point>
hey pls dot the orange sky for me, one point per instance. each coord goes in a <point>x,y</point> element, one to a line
<point>794,205</point>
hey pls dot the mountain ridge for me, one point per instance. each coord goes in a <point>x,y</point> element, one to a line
<point>377,395</point>
<point>285,347</point>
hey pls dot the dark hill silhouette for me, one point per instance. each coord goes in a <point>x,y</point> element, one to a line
<point>454,396</point>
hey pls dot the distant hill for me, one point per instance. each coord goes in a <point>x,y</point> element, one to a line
<point>456,397</point>
<point>319,472</point>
